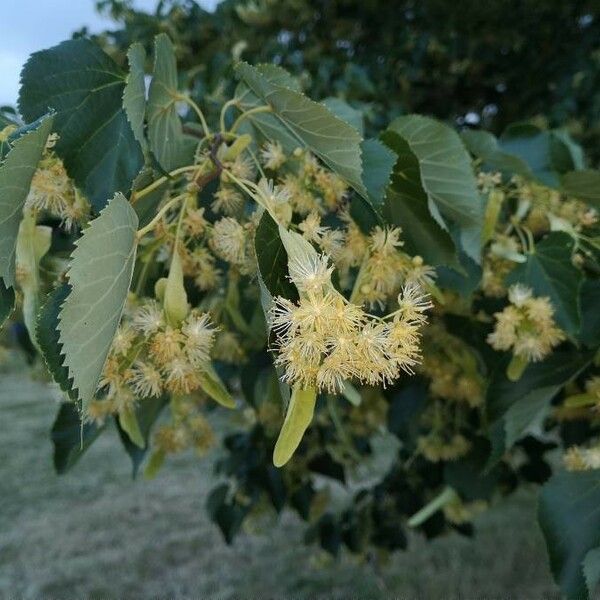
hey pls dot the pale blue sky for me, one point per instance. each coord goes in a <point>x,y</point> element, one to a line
<point>30,25</point>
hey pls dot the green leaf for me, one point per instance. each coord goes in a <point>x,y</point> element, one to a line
<point>165,134</point>
<point>406,207</point>
<point>99,275</point>
<point>446,176</point>
<point>16,173</point>
<point>147,412</point>
<point>128,422</point>
<point>378,163</point>
<point>566,154</point>
<point>484,145</point>
<point>134,94</point>
<point>550,272</point>
<point>515,408</point>
<point>272,259</point>
<point>343,111</point>
<point>584,185</point>
<point>297,419</point>
<point>528,413</point>
<point>71,437</point>
<point>570,521</point>
<point>591,569</point>
<point>213,386</point>
<point>7,302</point>
<point>556,370</point>
<point>335,142</point>
<point>590,315</point>
<point>85,88</point>
<point>532,145</point>
<point>48,338</point>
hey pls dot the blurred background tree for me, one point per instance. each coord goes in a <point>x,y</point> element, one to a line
<point>474,63</point>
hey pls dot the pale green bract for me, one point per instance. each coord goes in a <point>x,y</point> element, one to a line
<point>297,419</point>
<point>99,275</point>
<point>16,173</point>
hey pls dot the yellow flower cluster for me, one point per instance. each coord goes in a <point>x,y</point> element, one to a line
<point>385,269</point>
<point>310,187</point>
<point>582,459</point>
<point>324,340</point>
<point>549,208</point>
<point>149,357</point>
<point>451,367</point>
<point>526,326</point>
<point>188,429</point>
<point>53,192</point>
<point>439,447</point>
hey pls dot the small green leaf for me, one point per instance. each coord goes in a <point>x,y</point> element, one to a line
<point>48,338</point>
<point>134,94</point>
<point>528,413</point>
<point>212,385</point>
<point>584,185</point>
<point>16,173</point>
<point>550,272</point>
<point>99,275</point>
<point>154,464</point>
<point>165,134</point>
<point>85,88</point>
<point>406,206</point>
<point>590,315</point>
<point>147,411</point>
<point>272,259</point>
<point>516,407</point>
<point>335,142</point>
<point>129,424</point>
<point>570,521</point>
<point>297,419</point>
<point>532,145</point>
<point>378,164</point>
<point>446,176</point>
<point>70,437</point>
<point>342,110</point>
<point>591,569</point>
<point>7,302</point>
<point>485,146</point>
<point>556,370</point>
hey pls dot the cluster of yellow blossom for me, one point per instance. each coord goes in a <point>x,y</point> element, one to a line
<point>582,459</point>
<point>188,429</point>
<point>526,326</point>
<point>149,357</point>
<point>324,340</point>
<point>548,208</point>
<point>309,186</point>
<point>53,192</point>
<point>438,446</point>
<point>451,367</point>
<point>385,269</point>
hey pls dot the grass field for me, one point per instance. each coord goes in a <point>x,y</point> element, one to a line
<point>95,533</point>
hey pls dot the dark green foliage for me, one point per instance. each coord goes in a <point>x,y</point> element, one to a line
<point>85,88</point>
<point>71,437</point>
